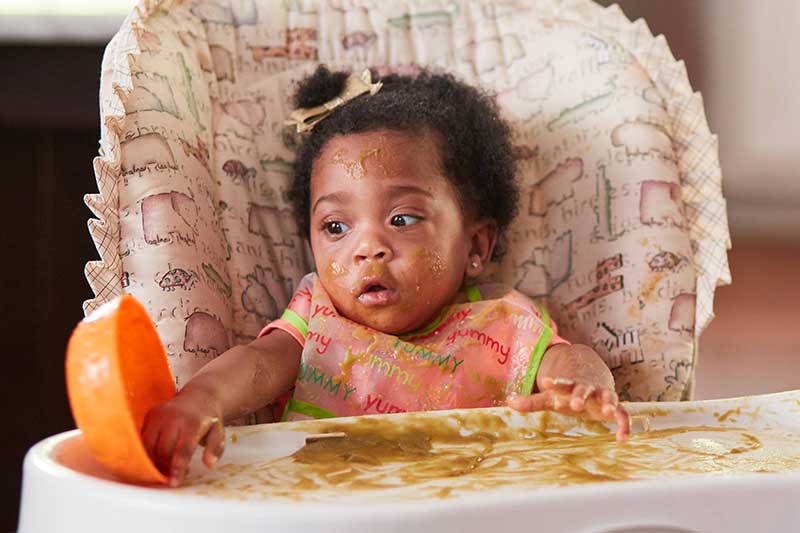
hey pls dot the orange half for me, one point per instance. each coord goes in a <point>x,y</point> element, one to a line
<point>116,372</point>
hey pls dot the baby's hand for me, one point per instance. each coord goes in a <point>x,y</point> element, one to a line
<point>567,397</point>
<point>172,431</point>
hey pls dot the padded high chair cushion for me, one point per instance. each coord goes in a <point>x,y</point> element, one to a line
<point>622,225</point>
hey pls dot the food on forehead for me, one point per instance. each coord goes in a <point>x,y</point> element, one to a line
<point>376,155</point>
<point>353,168</point>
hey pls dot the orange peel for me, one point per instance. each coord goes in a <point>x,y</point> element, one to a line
<point>117,370</point>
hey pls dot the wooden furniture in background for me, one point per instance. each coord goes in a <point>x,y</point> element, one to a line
<point>48,138</point>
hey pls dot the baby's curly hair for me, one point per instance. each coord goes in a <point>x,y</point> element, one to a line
<point>475,143</point>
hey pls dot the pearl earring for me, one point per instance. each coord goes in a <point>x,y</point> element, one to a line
<point>474,264</point>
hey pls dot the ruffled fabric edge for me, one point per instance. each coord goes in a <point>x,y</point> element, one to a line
<point>105,276</point>
<point>696,147</point>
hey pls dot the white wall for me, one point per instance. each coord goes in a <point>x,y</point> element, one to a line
<point>752,93</point>
<point>744,56</point>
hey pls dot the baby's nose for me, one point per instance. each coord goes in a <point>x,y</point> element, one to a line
<point>373,248</point>
<point>377,254</point>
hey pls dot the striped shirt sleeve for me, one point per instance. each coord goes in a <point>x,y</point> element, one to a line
<point>294,319</point>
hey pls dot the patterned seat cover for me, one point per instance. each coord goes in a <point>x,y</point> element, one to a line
<point>622,226</point>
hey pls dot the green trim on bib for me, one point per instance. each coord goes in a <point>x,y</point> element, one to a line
<point>545,315</point>
<point>307,409</point>
<point>473,294</point>
<point>430,327</point>
<point>296,320</point>
<point>286,410</point>
<point>536,361</point>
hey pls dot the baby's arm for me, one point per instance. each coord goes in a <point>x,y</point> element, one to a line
<point>238,382</point>
<point>574,380</point>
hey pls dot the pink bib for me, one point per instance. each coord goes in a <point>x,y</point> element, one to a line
<point>475,354</point>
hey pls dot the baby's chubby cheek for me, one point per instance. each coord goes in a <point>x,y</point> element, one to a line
<point>430,262</point>
<point>336,274</point>
<point>430,283</point>
<point>340,283</point>
<point>426,280</point>
<point>423,281</point>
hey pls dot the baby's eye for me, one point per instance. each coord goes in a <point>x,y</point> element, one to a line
<point>336,227</point>
<point>405,220</point>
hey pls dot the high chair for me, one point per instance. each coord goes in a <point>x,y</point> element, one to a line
<point>622,227</point>
<point>622,232</point>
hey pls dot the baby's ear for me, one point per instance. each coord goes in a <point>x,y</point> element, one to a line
<point>483,237</point>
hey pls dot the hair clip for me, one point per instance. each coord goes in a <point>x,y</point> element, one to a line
<point>307,118</point>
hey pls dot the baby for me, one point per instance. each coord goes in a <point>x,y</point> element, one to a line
<point>404,188</point>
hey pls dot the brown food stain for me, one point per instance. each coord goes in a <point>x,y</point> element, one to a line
<point>354,169</point>
<point>377,155</point>
<point>374,270</point>
<point>350,358</point>
<point>346,364</point>
<point>724,416</point>
<point>647,293</point>
<point>649,286</point>
<point>654,412</point>
<point>468,452</point>
<point>432,261</point>
<point>336,269</point>
<point>489,314</point>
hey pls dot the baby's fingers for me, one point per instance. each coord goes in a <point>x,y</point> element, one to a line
<point>167,439</point>
<point>187,444</point>
<point>623,423</point>
<point>150,433</point>
<point>610,409</point>
<point>560,385</point>
<point>580,394</point>
<point>535,402</point>
<point>215,444</point>
<point>609,401</point>
<point>183,455</point>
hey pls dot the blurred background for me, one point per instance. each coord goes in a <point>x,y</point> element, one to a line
<point>739,54</point>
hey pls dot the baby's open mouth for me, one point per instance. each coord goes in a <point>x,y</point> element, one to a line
<point>375,294</point>
<point>375,288</point>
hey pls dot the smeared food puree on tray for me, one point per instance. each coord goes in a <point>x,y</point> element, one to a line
<point>440,455</point>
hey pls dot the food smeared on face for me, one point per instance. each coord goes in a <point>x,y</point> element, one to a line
<point>431,261</point>
<point>353,168</point>
<point>400,242</point>
<point>356,167</point>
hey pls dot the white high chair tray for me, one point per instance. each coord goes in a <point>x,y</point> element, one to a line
<point>721,465</point>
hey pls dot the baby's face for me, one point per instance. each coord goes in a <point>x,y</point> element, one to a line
<point>388,235</point>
